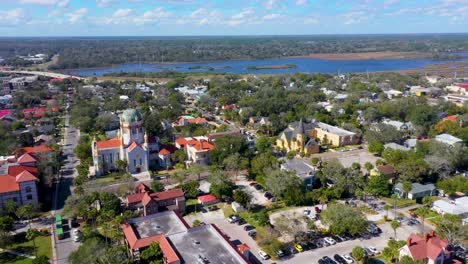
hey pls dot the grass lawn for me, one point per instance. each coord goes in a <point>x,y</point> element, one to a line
<point>401,203</point>
<point>20,244</point>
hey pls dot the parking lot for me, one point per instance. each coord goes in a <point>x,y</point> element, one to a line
<point>256,195</point>
<point>347,158</point>
<point>237,235</point>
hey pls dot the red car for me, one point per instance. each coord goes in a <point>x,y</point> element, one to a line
<point>318,210</point>
<point>252,183</point>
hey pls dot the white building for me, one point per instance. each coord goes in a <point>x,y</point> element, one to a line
<point>131,144</point>
<point>448,140</point>
<point>457,207</point>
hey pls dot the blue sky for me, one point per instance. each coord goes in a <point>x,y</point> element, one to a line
<point>229,17</point>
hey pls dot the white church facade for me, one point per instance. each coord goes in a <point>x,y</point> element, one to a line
<point>131,144</point>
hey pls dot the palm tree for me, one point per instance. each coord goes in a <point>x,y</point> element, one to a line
<point>406,188</point>
<point>395,225</point>
<point>423,212</point>
<point>387,207</point>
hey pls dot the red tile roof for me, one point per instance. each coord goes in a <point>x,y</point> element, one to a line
<point>135,243</point>
<point>38,112</point>
<point>146,199</point>
<point>166,195</point>
<point>201,144</point>
<point>36,149</point>
<point>135,198</point>
<point>134,145</point>
<point>451,118</point>
<point>111,143</point>
<point>464,86</point>
<point>386,169</point>
<point>181,142</point>
<point>207,198</point>
<point>142,188</point>
<point>26,158</point>
<point>428,246</point>
<point>164,151</point>
<point>25,176</point>
<point>8,184</point>
<point>198,120</point>
<point>15,170</point>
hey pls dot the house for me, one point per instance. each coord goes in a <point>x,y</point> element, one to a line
<point>259,120</point>
<point>147,202</point>
<point>207,199</point>
<point>421,91</point>
<point>461,89</point>
<point>396,146</point>
<point>393,94</point>
<point>196,149</point>
<point>298,137</point>
<point>334,136</point>
<point>457,99</point>
<point>18,180</point>
<point>430,249</point>
<point>400,126</point>
<point>186,120</point>
<point>417,191</point>
<point>179,242</point>
<point>449,140</point>
<point>385,170</point>
<point>433,79</point>
<point>458,207</point>
<point>302,170</point>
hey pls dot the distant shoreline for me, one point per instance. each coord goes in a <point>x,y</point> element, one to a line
<point>381,55</point>
<point>269,67</point>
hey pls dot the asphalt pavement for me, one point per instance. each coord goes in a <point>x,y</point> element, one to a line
<point>62,248</point>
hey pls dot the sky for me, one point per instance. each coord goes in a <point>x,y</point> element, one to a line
<point>229,17</point>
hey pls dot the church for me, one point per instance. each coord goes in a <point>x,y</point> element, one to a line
<point>131,144</point>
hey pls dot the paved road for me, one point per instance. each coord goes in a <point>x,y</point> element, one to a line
<point>64,247</point>
<point>46,74</point>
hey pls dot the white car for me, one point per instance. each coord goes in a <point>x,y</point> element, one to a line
<point>330,240</point>
<point>306,212</point>
<point>348,258</point>
<point>75,232</point>
<point>374,250</point>
<point>263,255</point>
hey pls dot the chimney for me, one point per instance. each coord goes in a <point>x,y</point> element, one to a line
<point>426,237</point>
<point>408,241</point>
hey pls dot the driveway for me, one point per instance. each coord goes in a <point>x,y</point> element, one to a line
<point>256,196</point>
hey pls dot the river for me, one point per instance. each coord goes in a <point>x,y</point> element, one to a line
<point>306,65</point>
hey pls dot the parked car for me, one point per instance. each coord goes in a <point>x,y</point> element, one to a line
<point>299,248</point>
<point>252,233</point>
<point>291,250</point>
<point>374,250</point>
<point>328,260</point>
<point>306,212</point>
<point>330,240</point>
<point>348,258</point>
<point>268,195</point>
<point>263,255</point>
<point>342,237</point>
<point>252,183</point>
<point>317,210</point>
<point>339,259</point>
<point>258,187</point>
<point>213,208</point>
<point>280,253</point>
<point>233,218</point>
<point>248,227</point>
<point>368,251</point>
<point>241,221</point>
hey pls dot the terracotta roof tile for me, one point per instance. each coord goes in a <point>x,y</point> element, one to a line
<point>135,198</point>
<point>26,158</point>
<point>8,184</point>
<point>166,195</point>
<point>15,170</point>
<point>36,149</point>
<point>164,151</point>
<point>207,198</point>
<point>428,246</point>
<point>111,143</point>
<point>451,118</point>
<point>25,176</point>
<point>134,145</point>
<point>198,120</point>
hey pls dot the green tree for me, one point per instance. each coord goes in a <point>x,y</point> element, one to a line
<point>6,226</point>
<point>378,185</point>
<point>121,165</point>
<point>242,198</point>
<point>178,156</point>
<point>197,169</point>
<point>88,252</point>
<point>263,144</point>
<point>221,186</point>
<point>31,235</point>
<point>451,228</point>
<point>368,166</point>
<point>153,126</point>
<point>152,254</point>
<point>412,170</point>
<point>342,218</point>
<point>423,212</point>
<point>226,146</point>
<point>392,250</point>
<point>190,189</point>
<point>157,186</point>
<point>376,147</point>
<point>395,225</point>
<point>387,207</point>
<point>358,253</point>
<point>409,260</point>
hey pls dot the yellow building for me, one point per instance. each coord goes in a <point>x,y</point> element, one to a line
<point>298,138</point>
<point>303,137</point>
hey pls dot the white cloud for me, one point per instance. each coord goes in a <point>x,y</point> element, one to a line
<point>63,3</point>
<point>269,4</point>
<point>103,3</point>
<point>271,16</point>
<point>11,17</point>
<point>356,17</point>
<point>301,2</point>
<point>245,13</point>
<point>153,16</point>
<point>38,2</point>
<point>122,12</point>
<point>77,15</point>
<point>54,13</point>
<point>311,21</point>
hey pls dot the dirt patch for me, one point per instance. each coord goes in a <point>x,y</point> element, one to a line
<point>368,55</point>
